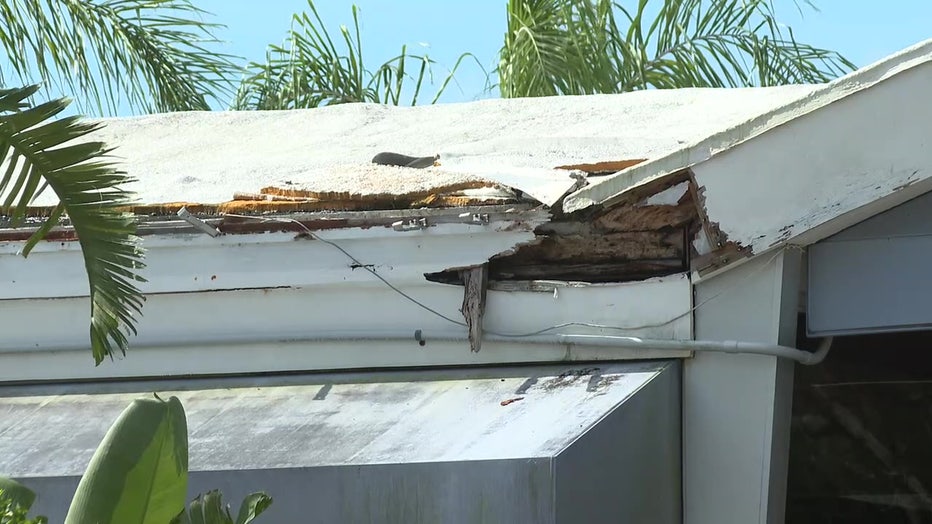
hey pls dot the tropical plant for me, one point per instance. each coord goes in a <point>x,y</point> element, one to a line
<point>152,55</point>
<point>208,508</point>
<point>310,70</point>
<point>575,47</point>
<point>559,47</point>
<point>15,502</point>
<point>138,475</point>
<point>38,152</point>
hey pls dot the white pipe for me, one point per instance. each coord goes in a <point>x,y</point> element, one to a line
<point>418,337</point>
<point>729,346</point>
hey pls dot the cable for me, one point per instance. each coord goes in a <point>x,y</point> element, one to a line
<point>434,312</point>
<point>357,262</point>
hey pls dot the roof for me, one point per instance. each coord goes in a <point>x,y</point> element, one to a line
<point>208,157</point>
<point>313,420</point>
<point>693,152</point>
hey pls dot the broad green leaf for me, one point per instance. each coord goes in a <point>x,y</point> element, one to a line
<point>253,506</point>
<point>17,493</point>
<point>139,473</point>
<point>208,508</point>
<point>15,502</point>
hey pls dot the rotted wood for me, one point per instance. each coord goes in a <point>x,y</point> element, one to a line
<point>475,281</point>
<point>588,272</point>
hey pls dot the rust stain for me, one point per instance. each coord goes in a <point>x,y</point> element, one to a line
<point>511,401</point>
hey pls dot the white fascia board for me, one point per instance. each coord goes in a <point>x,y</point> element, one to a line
<point>250,303</point>
<point>322,327</point>
<point>610,188</point>
<point>825,171</point>
<point>181,263</point>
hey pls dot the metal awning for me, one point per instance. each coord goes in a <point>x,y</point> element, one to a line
<point>520,444</point>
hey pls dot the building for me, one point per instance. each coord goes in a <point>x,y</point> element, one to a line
<point>587,311</point>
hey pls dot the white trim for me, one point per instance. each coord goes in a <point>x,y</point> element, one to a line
<point>611,187</point>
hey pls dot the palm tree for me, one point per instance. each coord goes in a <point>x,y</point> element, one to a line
<point>151,55</point>
<point>575,47</point>
<point>310,70</point>
<point>559,47</point>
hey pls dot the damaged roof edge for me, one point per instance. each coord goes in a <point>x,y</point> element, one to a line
<point>612,187</point>
<point>297,222</point>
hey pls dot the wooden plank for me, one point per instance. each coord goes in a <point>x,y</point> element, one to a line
<point>475,280</point>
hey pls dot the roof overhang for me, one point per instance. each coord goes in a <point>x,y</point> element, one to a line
<point>271,298</point>
<point>809,99</point>
<point>829,159</point>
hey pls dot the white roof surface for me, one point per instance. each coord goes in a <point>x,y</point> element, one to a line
<point>319,420</point>
<point>206,157</point>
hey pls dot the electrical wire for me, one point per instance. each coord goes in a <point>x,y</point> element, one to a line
<point>556,327</point>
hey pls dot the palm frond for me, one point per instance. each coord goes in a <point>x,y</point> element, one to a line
<point>158,54</point>
<point>313,69</point>
<point>35,148</point>
<point>555,47</point>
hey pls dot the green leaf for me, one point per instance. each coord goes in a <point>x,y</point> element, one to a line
<point>139,473</point>
<point>154,55</point>
<point>253,506</point>
<point>577,47</point>
<point>16,493</point>
<point>89,187</point>
<point>310,70</point>
<point>208,508</point>
<point>15,502</point>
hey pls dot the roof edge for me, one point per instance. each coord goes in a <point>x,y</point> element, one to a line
<point>822,95</point>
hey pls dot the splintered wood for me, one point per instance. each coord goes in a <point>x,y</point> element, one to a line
<point>639,237</point>
<point>475,280</point>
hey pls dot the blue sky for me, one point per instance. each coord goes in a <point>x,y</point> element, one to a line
<point>863,31</point>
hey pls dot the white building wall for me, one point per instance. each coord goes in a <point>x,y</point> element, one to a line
<point>736,408</point>
<point>266,303</point>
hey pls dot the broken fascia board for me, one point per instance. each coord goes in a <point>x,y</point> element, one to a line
<point>547,186</point>
<point>823,172</point>
<point>613,187</point>
<point>191,263</point>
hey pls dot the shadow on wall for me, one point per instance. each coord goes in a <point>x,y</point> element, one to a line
<point>861,434</point>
